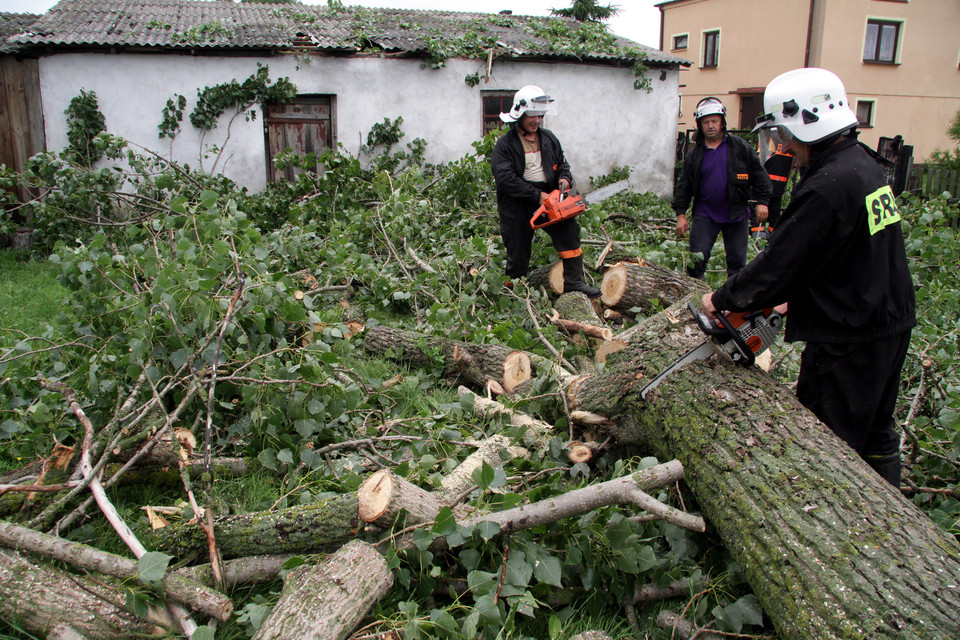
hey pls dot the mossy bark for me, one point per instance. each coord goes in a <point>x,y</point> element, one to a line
<point>305,529</point>
<point>830,549</point>
<point>45,600</point>
<point>459,360</point>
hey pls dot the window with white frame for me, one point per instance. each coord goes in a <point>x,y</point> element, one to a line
<point>882,41</point>
<point>865,112</point>
<point>681,41</point>
<point>711,48</point>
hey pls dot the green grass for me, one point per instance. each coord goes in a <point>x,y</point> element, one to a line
<point>30,296</point>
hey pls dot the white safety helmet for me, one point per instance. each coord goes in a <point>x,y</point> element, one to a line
<point>808,104</point>
<point>530,100</point>
<point>710,106</point>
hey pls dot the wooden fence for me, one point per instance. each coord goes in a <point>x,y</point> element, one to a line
<point>931,181</point>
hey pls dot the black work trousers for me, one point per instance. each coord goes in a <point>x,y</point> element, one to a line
<point>703,234</point>
<point>518,240</point>
<point>852,388</point>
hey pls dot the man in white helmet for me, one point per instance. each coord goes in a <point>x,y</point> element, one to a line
<point>838,259</point>
<point>528,163</point>
<point>721,173</point>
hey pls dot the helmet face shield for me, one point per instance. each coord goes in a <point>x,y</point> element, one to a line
<point>809,104</point>
<point>532,101</point>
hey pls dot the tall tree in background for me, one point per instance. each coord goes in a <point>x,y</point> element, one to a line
<point>587,11</point>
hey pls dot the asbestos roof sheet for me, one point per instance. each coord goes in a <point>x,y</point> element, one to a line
<point>201,24</point>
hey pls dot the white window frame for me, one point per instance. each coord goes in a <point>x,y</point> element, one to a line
<point>703,47</point>
<point>673,41</point>
<point>873,111</point>
<point>901,31</point>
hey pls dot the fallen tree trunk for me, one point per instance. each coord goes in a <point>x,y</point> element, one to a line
<point>48,601</point>
<point>477,363</point>
<point>193,594</point>
<point>830,549</point>
<point>326,601</point>
<point>303,529</point>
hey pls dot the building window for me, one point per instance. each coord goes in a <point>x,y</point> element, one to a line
<point>680,42</point>
<point>882,41</point>
<point>495,103</point>
<point>711,48</point>
<point>303,126</point>
<point>865,112</point>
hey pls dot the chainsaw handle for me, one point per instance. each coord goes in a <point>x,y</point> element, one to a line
<point>746,353</point>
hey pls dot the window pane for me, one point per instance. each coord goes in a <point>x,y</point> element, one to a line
<point>870,46</point>
<point>710,49</point>
<point>680,42</point>
<point>864,112</point>
<point>888,42</point>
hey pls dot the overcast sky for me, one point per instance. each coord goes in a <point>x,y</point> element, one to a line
<point>639,20</point>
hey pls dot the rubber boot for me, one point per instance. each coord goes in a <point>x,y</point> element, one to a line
<point>887,466</point>
<point>573,278</point>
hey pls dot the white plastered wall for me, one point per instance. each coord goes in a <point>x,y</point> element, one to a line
<point>603,121</point>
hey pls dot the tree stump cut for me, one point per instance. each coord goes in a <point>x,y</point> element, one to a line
<point>383,496</point>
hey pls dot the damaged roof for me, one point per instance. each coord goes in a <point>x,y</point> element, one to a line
<point>197,25</point>
<point>13,23</point>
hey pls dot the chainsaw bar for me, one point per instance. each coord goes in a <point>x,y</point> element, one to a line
<point>701,352</point>
<point>601,194</point>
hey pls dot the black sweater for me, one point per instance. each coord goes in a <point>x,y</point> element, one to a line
<point>517,198</point>
<point>837,256</point>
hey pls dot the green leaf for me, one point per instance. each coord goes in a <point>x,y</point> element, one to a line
<point>489,611</point>
<point>268,458</point>
<point>9,427</point>
<point>483,476</point>
<point>153,566</point>
<point>548,569</point>
<point>204,633</point>
<point>487,530</point>
<point>444,524</point>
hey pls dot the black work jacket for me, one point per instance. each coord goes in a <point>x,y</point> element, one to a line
<point>746,178</point>
<point>837,256</point>
<point>517,198</point>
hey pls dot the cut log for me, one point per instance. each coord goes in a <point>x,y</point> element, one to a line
<point>326,601</point>
<point>476,363</point>
<point>578,307</point>
<point>41,598</point>
<point>195,595</point>
<point>793,504</point>
<point>238,572</point>
<point>538,430</point>
<point>383,496</point>
<point>494,450</point>
<point>575,328</point>
<point>682,629</point>
<point>304,529</point>
<point>550,277</point>
<point>628,285</point>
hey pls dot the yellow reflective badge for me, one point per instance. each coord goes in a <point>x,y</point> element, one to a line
<point>882,209</point>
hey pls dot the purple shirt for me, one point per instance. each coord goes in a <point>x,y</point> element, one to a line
<point>712,201</point>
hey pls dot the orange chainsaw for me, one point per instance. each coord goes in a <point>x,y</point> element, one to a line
<point>740,335</point>
<point>563,205</point>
